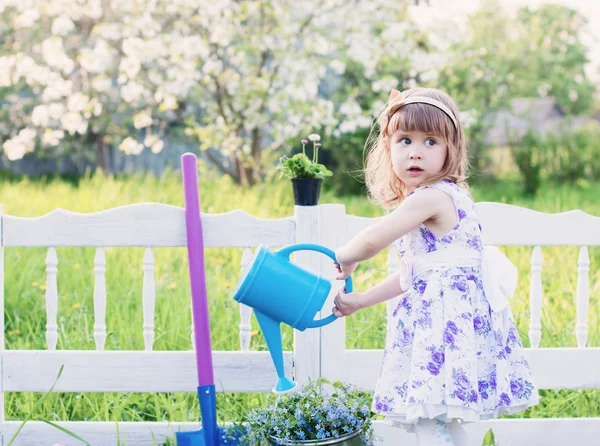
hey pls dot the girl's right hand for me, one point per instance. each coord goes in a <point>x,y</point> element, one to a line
<point>344,269</point>
<point>346,304</point>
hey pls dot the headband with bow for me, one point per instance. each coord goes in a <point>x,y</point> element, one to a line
<point>397,101</point>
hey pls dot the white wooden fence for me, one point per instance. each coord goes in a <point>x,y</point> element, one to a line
<point>316,352</point>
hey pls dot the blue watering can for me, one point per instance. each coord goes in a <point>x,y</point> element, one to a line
<point>281,291</point>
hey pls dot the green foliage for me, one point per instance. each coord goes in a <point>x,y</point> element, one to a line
<point>526,156</point>
<point>299,166</point>
<point>32,414</point>
<point>488,439</point>
<point>348,162</point>
<point>562,157</point>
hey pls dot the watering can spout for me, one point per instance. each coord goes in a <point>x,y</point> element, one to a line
<point>272,332</point>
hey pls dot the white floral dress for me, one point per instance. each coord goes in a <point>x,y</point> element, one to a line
<point>447,354</point>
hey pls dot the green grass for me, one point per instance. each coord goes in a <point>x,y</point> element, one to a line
<point>25,278</point>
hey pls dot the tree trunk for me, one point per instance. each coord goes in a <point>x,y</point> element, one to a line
<point>101,155</point>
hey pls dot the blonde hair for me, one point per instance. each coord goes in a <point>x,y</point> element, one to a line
<point>383,186</point>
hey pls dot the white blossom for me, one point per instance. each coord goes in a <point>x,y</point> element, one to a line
<point>40,117</point>
<point>21,144</point>
<point>27,18</point>
<point>56,110</point>
<point>74,123</point>
<point>130,146</point>
<point>52,137</point>
<point>157,146</point>
<point>132,92</point>
<point>62,26</point>
<point>130,67</point>
<point>141,120</point>
<point>77,102</point>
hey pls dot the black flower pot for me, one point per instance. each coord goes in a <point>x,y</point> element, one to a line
<point>306,191</point>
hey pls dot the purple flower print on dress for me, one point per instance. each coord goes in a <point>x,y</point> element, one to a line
<point>461,214</point>
<point>460,394</point>
<point>460,285</point>
<point>424,320</point>
<point>462,381</point>
<point>438,357</point>
<point>449,332</point>
<point>421,286</point>
<point>404,303</point>
<point>473,397</point>
<point>451,327</point>
<point>513,335</point>
<point>416,384</point>
<point>492,380</point>
<point>447,239</point>
<point>483,386</point>
<point>434,369</point>
<point>501,354</point>
<point>429,238</point>
<point>383,404</point>
<point>521,388</point>
<point>474,242</point>
<point>479,324</point>
<point>405,338</point>
<point>504,400</point>
<point>402,390</point>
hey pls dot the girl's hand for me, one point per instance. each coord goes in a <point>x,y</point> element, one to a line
<point>344,269</point>
<point>346,304</point>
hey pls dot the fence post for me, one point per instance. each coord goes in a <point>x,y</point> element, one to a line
<point>334,234</point>
<point>307,357</point>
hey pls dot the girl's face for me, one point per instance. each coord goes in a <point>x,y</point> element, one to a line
<point>417,156</point>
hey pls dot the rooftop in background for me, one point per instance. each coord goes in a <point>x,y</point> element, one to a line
<point>539,114</point>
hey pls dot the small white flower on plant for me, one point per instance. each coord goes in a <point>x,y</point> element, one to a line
<point>314,137</point>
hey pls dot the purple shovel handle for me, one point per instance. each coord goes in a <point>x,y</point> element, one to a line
<point>195,247</point>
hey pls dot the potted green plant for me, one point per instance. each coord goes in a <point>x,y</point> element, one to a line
<point>306,174</point>
<point>311,417</point>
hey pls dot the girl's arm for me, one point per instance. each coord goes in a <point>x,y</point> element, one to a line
<point>346,304</point>
<point>414,210</point>
<point>384,290</point>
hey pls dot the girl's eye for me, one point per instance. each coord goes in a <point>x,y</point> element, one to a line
<point>405,141</point>
<point>430,142</point>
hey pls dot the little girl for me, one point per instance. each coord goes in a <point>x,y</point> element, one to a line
<point>452,351</point>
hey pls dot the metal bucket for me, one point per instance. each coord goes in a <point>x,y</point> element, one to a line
<point>351,439</point>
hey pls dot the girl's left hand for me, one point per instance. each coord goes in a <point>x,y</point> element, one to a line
<point>346,304</point>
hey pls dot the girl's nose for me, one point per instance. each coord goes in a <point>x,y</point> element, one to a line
<point>415,156</point>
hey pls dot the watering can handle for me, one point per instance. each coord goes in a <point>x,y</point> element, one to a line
<point>286,251</point>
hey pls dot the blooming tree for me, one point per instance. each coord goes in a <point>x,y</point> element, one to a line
<point>243,76</point>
